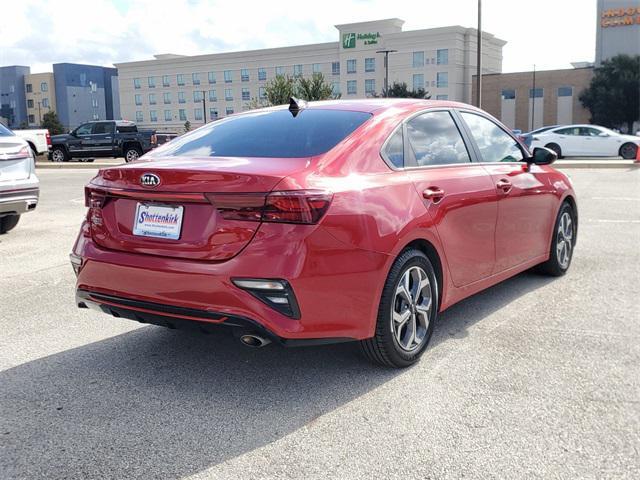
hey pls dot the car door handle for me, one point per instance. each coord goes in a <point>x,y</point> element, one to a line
<point>504,185</point>
<point>435,194</point>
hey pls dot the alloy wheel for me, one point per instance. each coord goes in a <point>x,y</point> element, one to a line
<point>564,240</point>
<point>132,155</point>
<point>57,155</point>
<point>411,309</point>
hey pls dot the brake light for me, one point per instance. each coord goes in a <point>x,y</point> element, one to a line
<point>94,200</point>
<point>48,137</point>
<point>24,152</point>
<point>296,206</point>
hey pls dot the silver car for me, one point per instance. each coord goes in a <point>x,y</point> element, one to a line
<point>19,187</point>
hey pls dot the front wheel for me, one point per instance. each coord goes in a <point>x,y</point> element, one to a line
<point>407,312</point>
<point>8,222</point>
<point>131,154</point>
<point>59,154</point>
<point>564,239</point>
<point>628,151</point>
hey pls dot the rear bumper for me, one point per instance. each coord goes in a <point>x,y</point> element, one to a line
<point>337,287</point>
<point>18,201</point>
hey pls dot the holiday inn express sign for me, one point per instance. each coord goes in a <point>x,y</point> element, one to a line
<point>349,39</point>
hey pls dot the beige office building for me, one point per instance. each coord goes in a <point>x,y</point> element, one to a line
<point>40,96</point>
<point>165,92</point>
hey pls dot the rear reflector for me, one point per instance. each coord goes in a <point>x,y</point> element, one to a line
<point>276,293</point>
<point>296,206</point>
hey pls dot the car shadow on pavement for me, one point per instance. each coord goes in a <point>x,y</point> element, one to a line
<point>156,403</point>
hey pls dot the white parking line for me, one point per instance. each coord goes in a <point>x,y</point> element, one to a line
<point>606,220</point>
<point>623,199</point>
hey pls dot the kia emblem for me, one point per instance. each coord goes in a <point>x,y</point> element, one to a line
<point>149,180</point>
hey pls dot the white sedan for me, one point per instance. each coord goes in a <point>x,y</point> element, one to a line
<point>587,141</point>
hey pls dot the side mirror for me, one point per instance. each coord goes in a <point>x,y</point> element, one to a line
<point>543,156</point>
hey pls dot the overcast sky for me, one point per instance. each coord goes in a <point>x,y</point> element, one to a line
<point>549,33</point>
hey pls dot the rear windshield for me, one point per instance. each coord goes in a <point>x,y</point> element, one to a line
<point>5,132</point>
<point>127,128</point>
<point>268,134</point>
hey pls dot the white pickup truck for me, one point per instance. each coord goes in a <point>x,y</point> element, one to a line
<point>38,139</point>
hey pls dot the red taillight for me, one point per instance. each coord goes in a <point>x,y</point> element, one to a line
<point>93,198</point>
<point>48,137</point>
<point>299,206</point>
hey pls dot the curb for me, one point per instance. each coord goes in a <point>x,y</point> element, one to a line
<point>74,165</point>
<point>562,164</point>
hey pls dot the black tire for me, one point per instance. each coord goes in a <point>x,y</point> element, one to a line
<point>8,222</point>
<point>554,266</point>
<point>556,148</point>
<point>130,152</point>
<point>59,152</point>
<point>384,347</point>
<point>628,151</point>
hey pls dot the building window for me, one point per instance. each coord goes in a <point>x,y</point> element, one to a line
<point>262,74</point>
<point>351,66</point>
<point>44,87</point>
<point>195,78</point>
<point>442,97</point>
<point>94,102</point>
<point>442,56</point>
<point>96,116</point>
<point>418,59</point>
<point>213,114</point>
<point>29,88</point>
<point>297,70</point>
<point>211,77</point>
<point>369,64</point>
<point>335,87</point>
<point>197,96</point>
<point>246,95</point>
<point>151,81</point>
<point>168,116</point>
<point>316,68</point>
<point>181,97</point>
<point>212,96</point>
<point>30,103</point>
<point>166,81</point>
<point>12,89</point>
<point>352,87</point>
<point>279,70</point>
<point>167,98</point>
<point>182,114</point>
<point>94,87</point>
<point>442,79</point>
<point>335,68</point>
<point>508,94</point>
<point>197,113</point>
<point>180,79</point>
<point>138,99</point>
<point>139,117</point>
<point>565,91</point>
<point>418,81</point>
<point>262,93</point>
<point>228,76</point>
<point>83,79</point>
<point>369,86</point>
<point>32,119</point>
<point>152,99</point>
<point>244,75</point>
<point>536,93</point>
<point>153,115</point>
<point>229,111</point>
<point>228,94</point>
<point>45,102</point>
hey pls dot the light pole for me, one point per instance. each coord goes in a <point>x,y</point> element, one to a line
<point>386,69</point>
<point>39,115</point>
<point>533,96</point>
<point>204,108</point>
<point>479,59</point>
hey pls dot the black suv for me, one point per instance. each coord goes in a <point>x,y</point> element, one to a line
<point>108,138</point>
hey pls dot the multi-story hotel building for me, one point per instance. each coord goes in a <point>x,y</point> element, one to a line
<point>40,93</point>
<point>165,92</point>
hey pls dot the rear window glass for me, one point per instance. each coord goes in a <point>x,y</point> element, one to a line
<point>268,134</point>
<point>127,128</point>
<point>5,132</point>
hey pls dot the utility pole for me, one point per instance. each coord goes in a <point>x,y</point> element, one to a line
<point>386,69</point>
<point>533,101</point>
<point>204,108</point>
<point>479,59</point>
<point>39,115</point>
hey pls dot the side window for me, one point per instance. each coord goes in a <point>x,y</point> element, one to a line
<point>435,140</point>
<point>394,150</point>
<point>495,144</point>
<point>101,128</point>
<point>568,131</point>
<point>589,132</point>
<point>84,129</point>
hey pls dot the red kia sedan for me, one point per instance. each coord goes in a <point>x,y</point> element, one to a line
<point>323,222</point>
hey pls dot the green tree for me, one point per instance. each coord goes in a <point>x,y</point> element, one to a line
<point>280,90</point>
<point>400,90</point>
<point>187,126</point>
<point>314,88</point>
<point>51,122</point>
<point>613,96</point>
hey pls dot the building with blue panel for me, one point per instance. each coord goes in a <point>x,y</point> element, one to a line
<point>13,105</point>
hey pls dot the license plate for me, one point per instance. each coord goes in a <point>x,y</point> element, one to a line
<point>159,221</point>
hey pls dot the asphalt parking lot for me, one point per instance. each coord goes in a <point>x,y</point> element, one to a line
<point>534,378</point>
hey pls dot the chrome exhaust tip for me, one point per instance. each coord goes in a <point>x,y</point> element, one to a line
<point>254,341</point>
